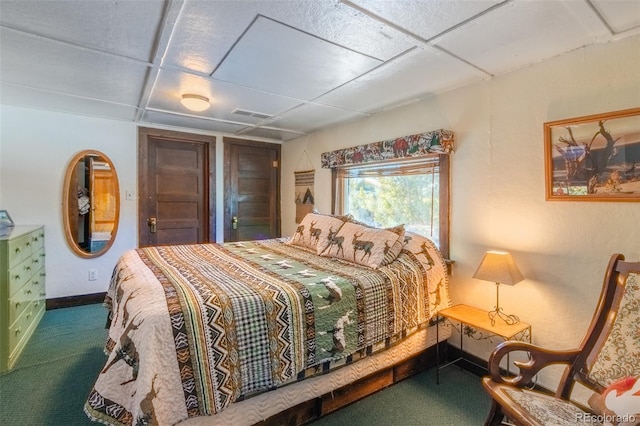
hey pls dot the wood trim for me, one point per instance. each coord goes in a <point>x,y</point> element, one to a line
<point>445,203</point>
<point>143,157</point>
<point>317,407</point>
<point>227,141</point>
<point>71,301</point>
<point>334,189</point>
<point>444,167</point>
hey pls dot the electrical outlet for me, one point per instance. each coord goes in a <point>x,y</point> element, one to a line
<point>93,274</point>
<point>128,195</point>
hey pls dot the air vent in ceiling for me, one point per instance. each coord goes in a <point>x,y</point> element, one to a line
<point>250,113</point>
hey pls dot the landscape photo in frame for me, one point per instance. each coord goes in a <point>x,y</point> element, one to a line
<point>594,158</point>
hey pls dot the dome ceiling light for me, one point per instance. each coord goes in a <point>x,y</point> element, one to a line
<point>195,102</point>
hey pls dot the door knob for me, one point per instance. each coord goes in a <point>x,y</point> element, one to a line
<point>234,222</point>
<point>153,224</point>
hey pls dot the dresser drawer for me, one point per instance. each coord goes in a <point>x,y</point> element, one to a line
<point>19,275</point>
<point>19,303</point>
<point>20,329</point>
<point>19,249</point>
<point>37,240</point>
<point>37,258</point>
<point>37,285</point>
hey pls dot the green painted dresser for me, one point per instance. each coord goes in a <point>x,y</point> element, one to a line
<point>22,290</point>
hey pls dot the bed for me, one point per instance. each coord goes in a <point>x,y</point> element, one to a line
<point>233,333</point>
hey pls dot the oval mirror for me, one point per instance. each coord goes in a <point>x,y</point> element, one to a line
<point>90,203</point>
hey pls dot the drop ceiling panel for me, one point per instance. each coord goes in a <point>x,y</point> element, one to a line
<point>224,97</point>
<point>269,133</point>
<point>309,117</point>
<point>426,18</point>
<point>45,64</point>
<point>31,98</point>
<point>421,72</point>
<point>518,34</point>
<point>279,59</point>
<point>206,31</point>
<point>124,27</point>
<point>161,118</point>
<point>620,15</point>
<point>304,64</point>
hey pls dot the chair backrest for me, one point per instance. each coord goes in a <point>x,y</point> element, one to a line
<point>611,348</point>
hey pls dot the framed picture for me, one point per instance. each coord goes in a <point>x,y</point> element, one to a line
<point>593,158</point>
<point>5,219</point>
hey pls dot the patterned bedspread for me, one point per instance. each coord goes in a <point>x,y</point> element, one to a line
<point>196,327</point>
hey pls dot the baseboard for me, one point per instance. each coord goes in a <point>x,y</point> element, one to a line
<point>70,301</point>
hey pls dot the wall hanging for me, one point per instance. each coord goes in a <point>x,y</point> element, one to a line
<point>304,187</point>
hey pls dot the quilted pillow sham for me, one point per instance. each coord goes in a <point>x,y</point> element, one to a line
<point>359,244</point>
<point>314,229</point>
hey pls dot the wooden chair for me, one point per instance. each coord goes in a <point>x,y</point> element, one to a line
<point>593,364</point>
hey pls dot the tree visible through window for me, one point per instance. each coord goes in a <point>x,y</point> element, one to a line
<point>388,194</point>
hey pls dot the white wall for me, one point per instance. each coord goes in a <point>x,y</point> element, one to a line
<point>35,149</point>
<point>498,193</point>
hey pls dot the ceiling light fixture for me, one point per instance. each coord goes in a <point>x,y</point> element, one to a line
<point>195,102</point>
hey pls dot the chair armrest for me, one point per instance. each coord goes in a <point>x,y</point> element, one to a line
<point>538,359</point>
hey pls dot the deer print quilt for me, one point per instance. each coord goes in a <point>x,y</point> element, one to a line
<point>196,327</point>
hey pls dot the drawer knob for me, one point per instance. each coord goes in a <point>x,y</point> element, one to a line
<point>28,291</point>
<point>17,277</point>
<point>17,331</point>
<point>17,249</point>
<point>17,304</point>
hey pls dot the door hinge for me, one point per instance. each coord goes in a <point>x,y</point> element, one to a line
<point>275,164</point>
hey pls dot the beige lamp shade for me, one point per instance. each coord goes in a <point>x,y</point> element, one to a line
<point>499,267</point>
<point>195,102</point>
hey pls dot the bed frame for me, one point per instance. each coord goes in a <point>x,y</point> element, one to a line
<point>317,407</point>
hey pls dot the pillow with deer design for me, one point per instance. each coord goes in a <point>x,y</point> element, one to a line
<point>312,232</point>
<point>395,250</point>
<point>359,244</point>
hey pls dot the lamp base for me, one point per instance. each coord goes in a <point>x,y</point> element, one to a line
<point>507,318</point>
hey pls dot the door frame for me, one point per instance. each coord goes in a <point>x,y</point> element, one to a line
<point>227,141</point>
<point>210,181</point>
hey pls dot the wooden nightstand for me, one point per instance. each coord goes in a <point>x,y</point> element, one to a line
<point>475,323</point>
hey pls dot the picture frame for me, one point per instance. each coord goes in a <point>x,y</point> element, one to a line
<point>5,220</point>
<point>594,157</point>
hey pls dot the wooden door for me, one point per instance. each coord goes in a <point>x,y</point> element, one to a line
<point>103,190</point>
<point>252,190</point>
<point>175,184</point>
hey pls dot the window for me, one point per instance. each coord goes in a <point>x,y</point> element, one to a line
<point>413,192</point>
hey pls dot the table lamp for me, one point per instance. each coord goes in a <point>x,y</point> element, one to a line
<point>499,267</point>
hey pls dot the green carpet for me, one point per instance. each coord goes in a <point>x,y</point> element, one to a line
<point>52,379</point>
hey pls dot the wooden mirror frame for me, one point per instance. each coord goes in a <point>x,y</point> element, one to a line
<point>70,204</point>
